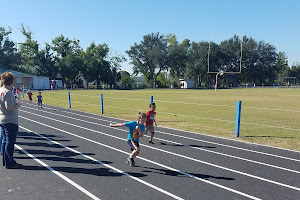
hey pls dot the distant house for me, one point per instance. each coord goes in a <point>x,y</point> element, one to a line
<point>139,80</point>
<point>28,80</point>
<point>186,83</point>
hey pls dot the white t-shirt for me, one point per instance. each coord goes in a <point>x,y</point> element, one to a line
<point>7,99</point>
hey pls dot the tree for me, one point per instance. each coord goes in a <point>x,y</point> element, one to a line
<point>282,65</point>
<point>29,51</point>
<point>178,56</point>
<point>162,80</point>
<point>96,67</point>
<point>46,62</point>
<point>9,58</point>
<point>126,80</point>
<point>150,57</point>
<point>69,57</point>
<point>197,63</point>
<point>115,66</point>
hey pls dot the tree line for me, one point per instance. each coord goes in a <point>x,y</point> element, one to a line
<point>161,59</point>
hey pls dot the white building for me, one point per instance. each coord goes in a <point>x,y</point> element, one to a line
<point>186,83</point>
<point>29,81</point>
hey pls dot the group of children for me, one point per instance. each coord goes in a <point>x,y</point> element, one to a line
<point>39,98</point>
<point>140,127</point>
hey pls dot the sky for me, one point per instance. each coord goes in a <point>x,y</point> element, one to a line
<point>121,23</point>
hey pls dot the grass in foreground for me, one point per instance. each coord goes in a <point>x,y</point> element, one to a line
<point>269,116</point>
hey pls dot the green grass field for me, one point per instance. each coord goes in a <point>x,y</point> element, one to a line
<point>269,115</point>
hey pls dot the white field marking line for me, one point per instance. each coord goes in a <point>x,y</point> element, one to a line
<point>199,104</point>
<point>223,154</point>
<point>206,118</point>
<point>248,107</point>
<point>58,174</point>
<point>106,165</point>
<point>155,163</point>
<point>253,151</point>
<point>213,136</point>
<point>175,154</point>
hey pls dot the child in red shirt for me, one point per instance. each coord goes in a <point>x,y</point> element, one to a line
<point>149,122</point>
<point>29,96</point>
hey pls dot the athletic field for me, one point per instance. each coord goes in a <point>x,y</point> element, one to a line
<point>269,116</point>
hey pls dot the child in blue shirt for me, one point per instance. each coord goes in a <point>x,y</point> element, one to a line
<point>136,130</point>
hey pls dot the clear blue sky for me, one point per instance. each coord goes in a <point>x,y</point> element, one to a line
<point>120,23</point>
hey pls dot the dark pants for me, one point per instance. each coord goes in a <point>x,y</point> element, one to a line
<point>1,138</point>
<point>9,139</point>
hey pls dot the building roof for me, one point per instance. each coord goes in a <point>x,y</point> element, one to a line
<point>15,73</point>
<point>139,79</point>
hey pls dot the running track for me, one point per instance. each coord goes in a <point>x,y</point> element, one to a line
<point>68,154</point>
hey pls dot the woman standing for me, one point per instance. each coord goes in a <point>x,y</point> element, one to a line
<point>8,120</point>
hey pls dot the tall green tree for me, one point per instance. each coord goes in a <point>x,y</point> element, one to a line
<point>46,62</point>
<point>115,66</point>
<point>150,57</point>
<point>96,64</point>
<point>29,51</point>
<point>69,56</point>
<point>282,65</point>
<point>197,64</point>
<point>178,57</point>
<point>9,57</point>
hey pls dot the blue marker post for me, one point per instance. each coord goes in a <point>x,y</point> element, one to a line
<point>71,86</point>
<point>101,99</point>
<point>238,118</point>
<point>151,99</point>
<point>69,99</point>
<point>88,86</point>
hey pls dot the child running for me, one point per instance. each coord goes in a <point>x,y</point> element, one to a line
<point>29,94</point>
<point>136,130</point>
<point>149,123</point>
<point>40,100</point>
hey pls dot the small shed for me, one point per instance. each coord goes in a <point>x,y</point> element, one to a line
<point>186,83</point>
<point>28,80</point>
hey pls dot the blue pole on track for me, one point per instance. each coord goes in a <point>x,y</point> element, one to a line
<point>69,99</point>
<point>88,86</point>
<point>101,99</point>
<point>151,99</point>
<point>71,86</point>
<point>238,118</point>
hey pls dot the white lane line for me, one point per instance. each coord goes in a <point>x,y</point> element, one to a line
<point>58,174</point>
<point>175,154</point>
<point>236,157</point>
<point>106,165</point>
<point>231,156</point>
<point>233,147</point>
<point>218,137</point>
<point>164,166</point>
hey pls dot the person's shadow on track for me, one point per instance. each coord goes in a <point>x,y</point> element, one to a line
<point>46,150</point>
<point>192,145</point>
<point>174,173</point>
